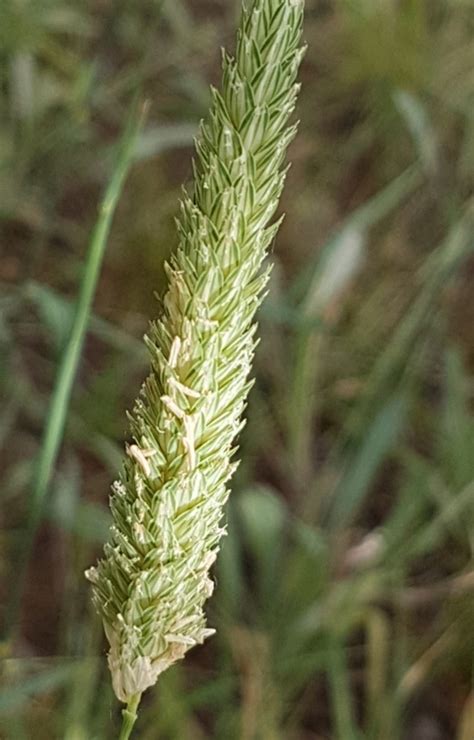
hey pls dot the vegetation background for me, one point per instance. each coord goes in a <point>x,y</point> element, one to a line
<point>344,600</point>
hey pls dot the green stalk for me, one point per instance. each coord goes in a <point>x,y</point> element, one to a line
<point>129,717</point>
<point>54,430</point>
<point>339,683</point>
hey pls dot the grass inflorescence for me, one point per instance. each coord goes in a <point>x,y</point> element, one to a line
<point>167,507</point>
<point>343,588</point>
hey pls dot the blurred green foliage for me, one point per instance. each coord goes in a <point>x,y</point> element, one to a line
<point>344,600</point>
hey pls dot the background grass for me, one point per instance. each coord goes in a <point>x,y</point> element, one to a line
<point>345,587</point>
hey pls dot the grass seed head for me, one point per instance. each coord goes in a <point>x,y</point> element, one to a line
<point>151,585</point>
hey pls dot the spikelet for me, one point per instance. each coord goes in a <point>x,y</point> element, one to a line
<point>152,583</point>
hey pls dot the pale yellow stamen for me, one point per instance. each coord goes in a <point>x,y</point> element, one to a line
<point>140,456</point>
<point>173,407</point>
<point>184,388</point>
<point>174,352</point>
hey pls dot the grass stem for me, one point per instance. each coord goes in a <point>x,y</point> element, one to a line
<point>129,716</point>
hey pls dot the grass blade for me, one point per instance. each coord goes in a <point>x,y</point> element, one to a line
<point>57,413</point>
<point>341,695</point>
<point>377,442</point>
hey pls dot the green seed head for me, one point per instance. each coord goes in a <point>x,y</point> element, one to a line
<point>152,583</point>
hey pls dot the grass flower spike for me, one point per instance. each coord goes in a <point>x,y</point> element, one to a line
<point>153,581</point>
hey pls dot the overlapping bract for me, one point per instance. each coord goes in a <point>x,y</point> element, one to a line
<point>151,585</point>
